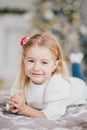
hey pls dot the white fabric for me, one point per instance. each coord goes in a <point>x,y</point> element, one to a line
<point>55,95</point>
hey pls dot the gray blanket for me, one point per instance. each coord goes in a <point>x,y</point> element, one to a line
<point>75,118</point>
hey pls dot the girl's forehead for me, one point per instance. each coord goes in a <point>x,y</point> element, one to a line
<point>38,48</point>
<point>39,51</point>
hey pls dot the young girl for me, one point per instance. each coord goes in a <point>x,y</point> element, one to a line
<point>43,88</point>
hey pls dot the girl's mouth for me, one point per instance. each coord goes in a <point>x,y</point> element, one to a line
<point>36,74</point>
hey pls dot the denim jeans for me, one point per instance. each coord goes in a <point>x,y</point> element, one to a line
<point>77,71</point>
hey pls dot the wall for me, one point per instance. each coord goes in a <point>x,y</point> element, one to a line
<point>12,29</point>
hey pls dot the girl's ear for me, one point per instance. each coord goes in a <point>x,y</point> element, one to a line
<point>55,65</point>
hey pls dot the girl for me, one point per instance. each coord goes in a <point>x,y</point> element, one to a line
<point>43,89</point>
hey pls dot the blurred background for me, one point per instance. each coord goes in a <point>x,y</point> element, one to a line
<point>66,19</point>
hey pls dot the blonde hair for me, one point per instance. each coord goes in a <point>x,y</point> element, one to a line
<point>48,41</point>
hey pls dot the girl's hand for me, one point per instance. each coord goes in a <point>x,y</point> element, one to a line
<point>17,103</point>
<point>11,107</point>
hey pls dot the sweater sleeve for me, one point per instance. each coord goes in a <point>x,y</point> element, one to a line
<point>56,98</point>
<point>14,90</point>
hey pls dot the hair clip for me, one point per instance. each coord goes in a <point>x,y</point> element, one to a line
<point>24,40</point>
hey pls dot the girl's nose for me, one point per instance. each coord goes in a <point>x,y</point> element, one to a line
<point>36,66</point>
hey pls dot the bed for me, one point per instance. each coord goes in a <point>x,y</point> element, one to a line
<point>75,118</point>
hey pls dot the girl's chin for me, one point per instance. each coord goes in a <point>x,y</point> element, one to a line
<point>37,82</point>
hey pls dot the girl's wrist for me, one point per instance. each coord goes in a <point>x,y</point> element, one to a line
<point>25,109</point>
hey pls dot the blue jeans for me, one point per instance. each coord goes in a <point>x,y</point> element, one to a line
<point>77,71</point>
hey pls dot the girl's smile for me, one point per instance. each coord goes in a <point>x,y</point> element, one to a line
<point>36,74</point>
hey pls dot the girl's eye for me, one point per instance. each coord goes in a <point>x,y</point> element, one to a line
<point>31,61</point>
<point>44,62</point>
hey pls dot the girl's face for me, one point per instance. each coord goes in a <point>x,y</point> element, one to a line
<point>39,64</point>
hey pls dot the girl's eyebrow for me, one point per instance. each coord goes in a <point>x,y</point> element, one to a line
<point>34,58</point>
<point>29,58</point>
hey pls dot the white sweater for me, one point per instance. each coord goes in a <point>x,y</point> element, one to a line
<point>55,95</point>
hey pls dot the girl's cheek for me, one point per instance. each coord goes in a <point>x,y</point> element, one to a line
<point>27,67</point>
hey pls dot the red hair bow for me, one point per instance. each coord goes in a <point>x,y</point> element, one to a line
<point>24,40</point>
